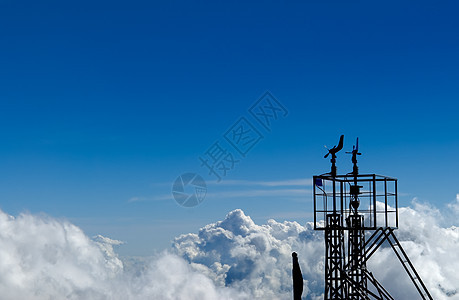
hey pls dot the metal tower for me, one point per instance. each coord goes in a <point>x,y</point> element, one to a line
<point>347,207</point>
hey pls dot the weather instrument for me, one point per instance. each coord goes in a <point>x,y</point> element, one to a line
<point>358,213</point>
<point>333,152</point>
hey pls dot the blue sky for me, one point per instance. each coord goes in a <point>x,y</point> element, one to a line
<point>103,105</point>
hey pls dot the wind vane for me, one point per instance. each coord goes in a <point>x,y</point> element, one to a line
<point>333,152</point>
<point>355,152</point>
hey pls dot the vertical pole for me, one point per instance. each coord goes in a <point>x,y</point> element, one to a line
<point>385,201</point>
<point>396,204</point>
<point>341,188</point>
<point>374,201</point>
<point>334,196</point>
<point>315,208</point>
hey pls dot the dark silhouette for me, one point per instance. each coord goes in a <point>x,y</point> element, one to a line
<point>336,148</point>
<point>297,278</point>
<point>346,273</point>
<point>355,152</point>
<point>355,189</point>
<point>333,152</point>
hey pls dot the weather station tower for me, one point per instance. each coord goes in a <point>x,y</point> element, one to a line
<point>358,213</point>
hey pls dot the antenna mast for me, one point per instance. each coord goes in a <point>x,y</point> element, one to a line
<point>351,205</point>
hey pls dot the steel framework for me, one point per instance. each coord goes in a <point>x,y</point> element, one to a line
<point>346,207</point>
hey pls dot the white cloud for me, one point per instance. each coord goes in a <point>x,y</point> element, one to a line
<point>455,205</point>
<point>256,259</point>
<point>163,197</point>
<point>238,253</point>
<point>45,258</point>
<point>272,183</point>
<point>284,193</point>
<point>246,189</point>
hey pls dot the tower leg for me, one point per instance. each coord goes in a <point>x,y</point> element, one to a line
<point>356,260</point>
<point>334,252</point>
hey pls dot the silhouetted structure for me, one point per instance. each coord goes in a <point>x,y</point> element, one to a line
<point>348,206</point>
<point>297,278</point>
<point>333,152</point>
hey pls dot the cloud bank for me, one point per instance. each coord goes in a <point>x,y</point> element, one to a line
<point>46,258</point>
<point>256,259</point>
